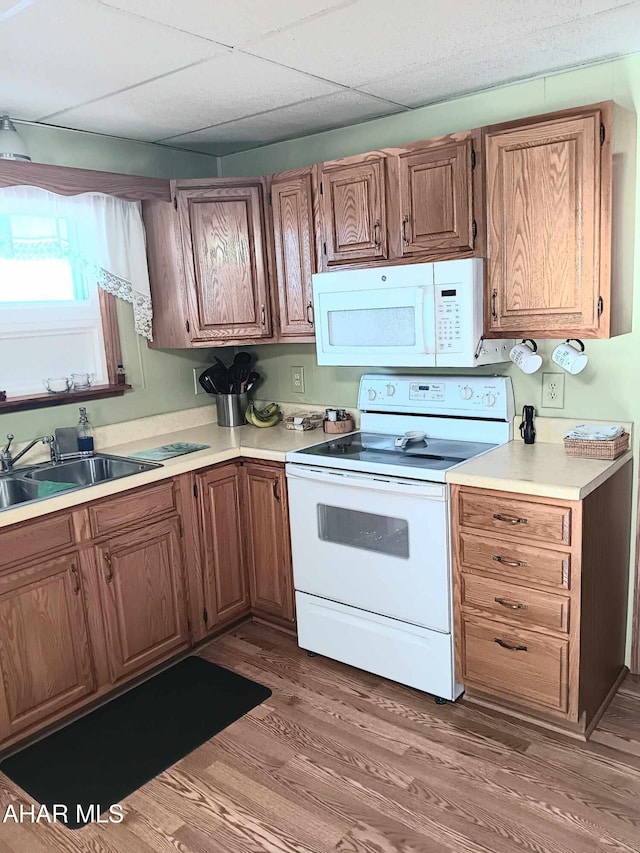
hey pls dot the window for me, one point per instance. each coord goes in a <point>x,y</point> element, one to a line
<point>50,319</point>
<point>63,259</point>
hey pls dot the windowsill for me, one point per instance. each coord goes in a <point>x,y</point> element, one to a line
<point>43,401</point>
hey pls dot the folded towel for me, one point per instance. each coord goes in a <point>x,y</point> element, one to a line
<point>167,451</point>
<point>46,488</point>
<point>593,432</point>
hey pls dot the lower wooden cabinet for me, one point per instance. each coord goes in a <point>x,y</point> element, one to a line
<point>136,579</point>
<point>45,662</point>
<point>540,592</point>
<point>142,597</point>
<point>268,542</point>
<point>224,578</point>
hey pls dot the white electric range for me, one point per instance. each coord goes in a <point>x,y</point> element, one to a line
<point>370,524</point>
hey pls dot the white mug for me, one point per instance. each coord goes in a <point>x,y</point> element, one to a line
<point>569,357</point>
<point>525,356</point>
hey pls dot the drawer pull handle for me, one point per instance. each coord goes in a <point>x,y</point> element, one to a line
<point>276,489</point>
<point>509,519</point>
<point>511,648</point>
<point>511,604</point>
<point>76,578</point>
<point>515,563</point>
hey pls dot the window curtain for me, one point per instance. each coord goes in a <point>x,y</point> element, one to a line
<point>101,233</point>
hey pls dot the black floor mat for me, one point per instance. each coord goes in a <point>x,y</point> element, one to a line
<point>103,757</point>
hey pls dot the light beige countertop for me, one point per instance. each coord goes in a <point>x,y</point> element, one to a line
<point>224,444</point>
<point>542,469</point>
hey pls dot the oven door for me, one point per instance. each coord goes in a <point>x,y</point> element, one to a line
<point>377,543</point>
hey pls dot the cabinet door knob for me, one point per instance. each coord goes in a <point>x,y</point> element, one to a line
<point>276,489</point>
<point>76,578</point>
<point>510,648</point>
<point>107,558</point>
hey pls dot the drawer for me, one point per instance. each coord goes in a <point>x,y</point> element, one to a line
<point>32,539</point>
<point>519,518</point>
<point>130,508</point>
<point>526,607</point>
<point>519,563</point>
<point>529,668</point>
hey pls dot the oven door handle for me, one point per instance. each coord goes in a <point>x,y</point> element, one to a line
<point>370,482</point>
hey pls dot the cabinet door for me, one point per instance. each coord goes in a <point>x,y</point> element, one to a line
<point>436,199</point>
<point>544,221</point>
<point>45,661</point>
<point>225,267</point>
<point>142,596</point>
<point>268,542</point>
<point>226,593</point>
<point>294,238</point>
<point>354,214</point>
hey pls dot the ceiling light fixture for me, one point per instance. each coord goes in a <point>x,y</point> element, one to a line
<point>12,146</point>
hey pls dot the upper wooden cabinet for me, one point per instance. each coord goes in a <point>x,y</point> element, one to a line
<point>353,206</point>
<point>407,204</point>
<point>549,225</point>
<point>436,198</point>
<point>292,196</point>
<point>45,663</point>
<point>222,229</point>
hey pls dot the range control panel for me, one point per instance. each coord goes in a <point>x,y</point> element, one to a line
<point>463,396</point>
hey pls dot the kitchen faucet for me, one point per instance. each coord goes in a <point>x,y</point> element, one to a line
<point>7,461</point>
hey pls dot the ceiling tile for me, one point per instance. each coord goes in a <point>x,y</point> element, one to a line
<point>604,35</point>
<point>231,22</point>
<point>313,116</point>
<point>228,87</point>
<point>59,53</point>
<point>372,39</point>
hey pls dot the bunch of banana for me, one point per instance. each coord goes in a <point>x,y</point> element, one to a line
<point>267,417</point>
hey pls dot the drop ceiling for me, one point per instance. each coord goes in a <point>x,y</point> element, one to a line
<point>227,75</point>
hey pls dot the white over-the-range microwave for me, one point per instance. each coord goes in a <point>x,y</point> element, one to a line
<point>416,315</point>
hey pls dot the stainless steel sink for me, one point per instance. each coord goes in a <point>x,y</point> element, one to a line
<point>30,484</point>
<point>88,472</point>
<point>14,490</point>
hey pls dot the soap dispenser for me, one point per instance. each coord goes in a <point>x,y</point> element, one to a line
<point>85,433</point>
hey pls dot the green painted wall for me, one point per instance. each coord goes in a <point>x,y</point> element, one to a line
<point>609,388</point>
<point>162,380</point>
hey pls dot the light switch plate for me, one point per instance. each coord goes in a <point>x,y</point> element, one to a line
<point>297,380</point>
<point>553,390</point>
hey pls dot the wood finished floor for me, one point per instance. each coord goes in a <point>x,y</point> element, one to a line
<point>339,760</point>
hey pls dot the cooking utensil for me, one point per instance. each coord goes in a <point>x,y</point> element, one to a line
<point>207,383</point>
<point>410,435</point>
<point>251,380</point>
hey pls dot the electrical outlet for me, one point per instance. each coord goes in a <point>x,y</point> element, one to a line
<point>297,380</point>
<point>553,390</point>
<point>197,387</point>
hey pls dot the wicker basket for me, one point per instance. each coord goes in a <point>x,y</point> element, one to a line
<point>597,449</point>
